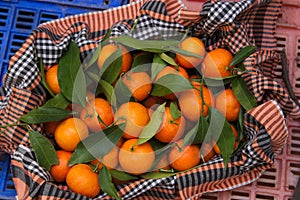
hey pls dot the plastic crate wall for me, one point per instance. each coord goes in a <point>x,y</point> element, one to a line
<point>280,182</point>
<point>19,17</point>
<point>17,20</point>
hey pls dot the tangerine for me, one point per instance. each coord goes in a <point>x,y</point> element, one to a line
<point>136,158</point>
<point>138,83</point>
<point>70,132</point>
<point>228,105</point>
<point>59,171</point>
<point>191,105</point>
<point>135,115</point>
<point>51,78</point>
<point>184,157</point>
<point>110,160</point>
<point>194,45</point>
<point>83,180</point>
<point>108,50</point>
<point>98,114</point>
<point>170,129</point>
<point>216,63</point>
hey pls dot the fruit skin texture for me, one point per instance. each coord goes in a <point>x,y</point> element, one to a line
<point>136,159</point>
<point>216,63</point>
<point>228,105</point>
<point>138,83</point>
<point>183,158</point>
<point>194,45</point>
<point>135,116</point>
<point>108,50</point>
<point>70,132</point>
<point>171,129</point>
<point>51,79</point>
<point>104,111</point>
<point>190,104</point>
<point>59,171</point>
<point>82,180</point>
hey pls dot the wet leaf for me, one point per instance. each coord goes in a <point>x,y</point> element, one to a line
<point>220,131</point>
<point>106,184</point>
<point>154,46</point>
<point>121,175</point>
<point>58,101</point>
<point>170,83</point>
<point>153,125</point>
<point>97,145</point>
<point>242,93</point>
<point>71,77</point>
<point>242,54</point>
<point>43,149</point>
<point>175,112</point>
<point>45,114</point>
<point>111,67</point>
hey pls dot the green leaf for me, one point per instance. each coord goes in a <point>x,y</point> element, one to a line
<point>121,94</point>
<point>154,46</point>
<point>157,175</point>
<point>43,149</point>
<point>242,93</point>
<point>121,175</point>
<point>242,54</point>
<point>142,59</point>
<point>112,66</point>
<point>108,90</point>
<point>215,82</point>
<point>197,134</point>
<point>45,114</point>
<point>71,76</point>
<point>154,124</point>
<point>168,59</point>
<point>106,184</point>
<point>175,112</point>
<point>184,52</point>
<point>170,83</point>
<point>43,78</point>
<point>95,56</point>
<point>157,65</point>
<point>97,145</point>
<point>58,101</point>
<point>161,150</point>
<point>219,130</point>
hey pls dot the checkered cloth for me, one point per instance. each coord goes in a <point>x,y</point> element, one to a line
<point>218,24</point>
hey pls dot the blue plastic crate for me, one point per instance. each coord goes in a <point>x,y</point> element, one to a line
<point>28,14</point>
<point>7,189</point>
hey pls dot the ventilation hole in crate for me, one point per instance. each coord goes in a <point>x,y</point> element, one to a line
<point>3,16</point>
<point>295,168</point>
<point>237,195</point>
<point>1,39</point>
<point>281,42</point>
<point>106,2</point>
<point>15,44</point>
<point>209,196</point>
<point>297,84</point>
<point>264,197</point>
<point>25,19</point>
<point>295,141</point>
<point>45,17</point>
<point>268,179</point>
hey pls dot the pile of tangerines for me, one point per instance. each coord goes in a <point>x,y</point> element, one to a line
<point>179,112</point>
